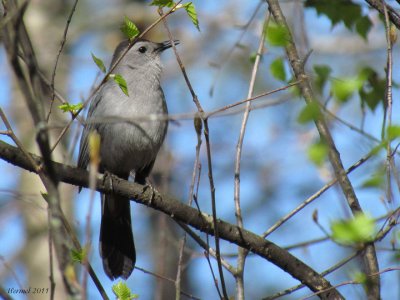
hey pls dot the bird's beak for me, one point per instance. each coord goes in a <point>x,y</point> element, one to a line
<point>167,44</point>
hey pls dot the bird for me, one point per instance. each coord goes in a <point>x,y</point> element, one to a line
<point>129,144</point>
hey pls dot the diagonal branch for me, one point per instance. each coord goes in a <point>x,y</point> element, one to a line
<point>297,64</point>
<point>189,215</point>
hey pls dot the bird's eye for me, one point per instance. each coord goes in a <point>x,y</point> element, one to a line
<point>142,49</point>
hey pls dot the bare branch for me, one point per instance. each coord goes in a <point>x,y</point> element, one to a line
<point>184,213</point>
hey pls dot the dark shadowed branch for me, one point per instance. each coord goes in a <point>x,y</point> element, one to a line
<point>186,214</point>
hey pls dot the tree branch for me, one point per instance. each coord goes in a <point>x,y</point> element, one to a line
<point>184,213</point>
<point>297,64</point>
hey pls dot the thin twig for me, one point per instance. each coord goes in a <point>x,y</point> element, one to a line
<point>314,197</point>
<point>324,273</point>
<point>388,101</point>
<point>370,261</point>
<point>190,296</point>
<point>209,158</point>
<point>242,253</point>
<point>64,39</point>
<point>196,170</point>
<point>226,57</point>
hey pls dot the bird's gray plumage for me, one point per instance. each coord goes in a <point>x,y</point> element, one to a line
<point>130,141</point>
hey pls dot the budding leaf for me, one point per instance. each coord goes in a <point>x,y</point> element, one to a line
<point>68,107</point>
<point>323,72</point>
<point>393,132</point>
<point>162,3</point>
<point>122,291</point>
<point>277,35</point>
<point>121,83</point>
<point>277,69</point>
<point>318,152</point>
<point>79,256</point>
<point>99,63</point>
<point>129,29</point>
<point>360,229</point>
<point>309,113</point>
<point>94,147</point>
<point>191,11</point>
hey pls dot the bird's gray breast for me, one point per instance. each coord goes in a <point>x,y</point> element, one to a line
<point>134,128</point>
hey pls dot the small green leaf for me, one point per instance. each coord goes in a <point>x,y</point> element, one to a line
<point>360,229</point>
<point>309,113</point>
<point>129,29</point>
<point>191,11</point>
<point>360,277</point>
<point>363,25</point>
<point>162,3</point>
<point>377,179</point>
<point>318,152</point>
<point>67,107</point>
<point>253,57</point>
<point>122,291</point>
<point>393,132</point>
<point>99,63</point>
<point>277,35</point>
<point>79,256</point>
<point>121,82</point>
<point>372,92</point>
<point>277,69</point>
<point>323,72</point>
<point>344,88</point>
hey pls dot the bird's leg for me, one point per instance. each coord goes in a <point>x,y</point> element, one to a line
<point>153,190</point>
<point>108,178</point>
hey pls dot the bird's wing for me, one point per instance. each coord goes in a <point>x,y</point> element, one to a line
<point>83,158</point>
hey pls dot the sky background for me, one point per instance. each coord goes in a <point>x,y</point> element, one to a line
<point>276,172</point>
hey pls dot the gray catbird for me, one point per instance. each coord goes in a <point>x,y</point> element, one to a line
<point>126,145</point>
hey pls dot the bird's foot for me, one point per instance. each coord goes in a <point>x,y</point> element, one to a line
<point>108,181</point>
<point>153,191</point>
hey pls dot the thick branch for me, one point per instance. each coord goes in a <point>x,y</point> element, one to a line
<point>392,14</point>
<point>189,215</point>
<point>297,64</point>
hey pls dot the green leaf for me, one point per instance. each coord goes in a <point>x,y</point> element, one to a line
<point>372,91</point>
<point>277,35</point>
<point>318,152</point>
<point>360,277</point>
<point>99,63</point>
<point>393,132</point>
<point>309,113</point>
<point>121,82</point>
<point>79,256</point>
<point>191,11</point>
<point>162,3</point>
<point>129,29</point>
<point>360,229</point>
<point>253,57</point>
<point>377,180</point>
<point>344,88</point>
<point>68,107</point>
<point>323,72</point>
<point>277,69</point>
<point>343,11</point>
<point>122,291</point>
<point>363,26</point>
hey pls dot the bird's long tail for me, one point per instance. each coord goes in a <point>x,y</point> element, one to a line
<point>117,248</point>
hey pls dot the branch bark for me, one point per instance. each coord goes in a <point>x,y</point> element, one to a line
<point>369,256</point>
<point>184,213</point>
<point>393,15</point>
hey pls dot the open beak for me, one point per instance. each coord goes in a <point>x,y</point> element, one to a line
<point>167,44</point>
